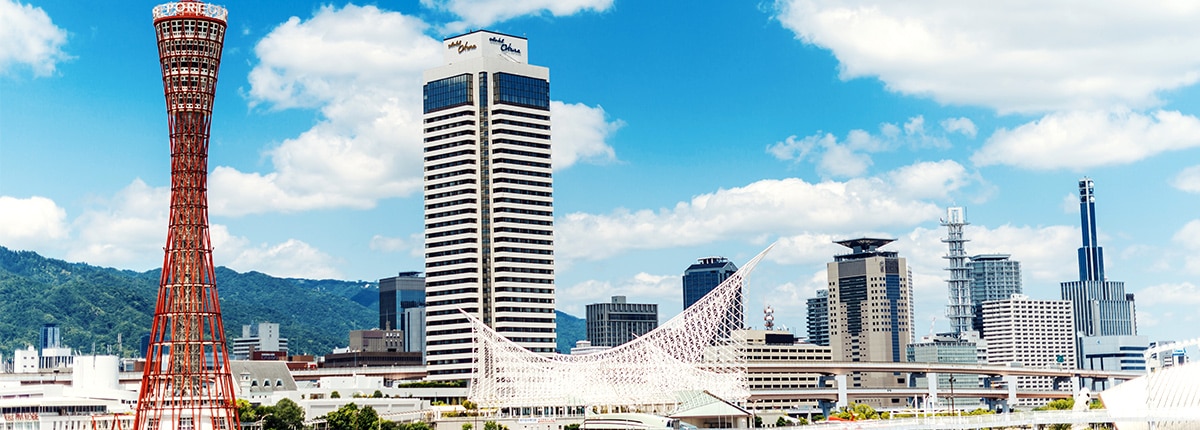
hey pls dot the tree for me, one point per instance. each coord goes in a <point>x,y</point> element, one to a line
<point>246,411</point>
<point>757,421</point>
<point>344,418</point>
<point>781,422</point>
<point>367,419</point>
<point>418,425</point>
<point>377,394</point>
<point>571,426</point>
<point>492,425</point>
<point>335,395</point>
<point>285,415</point>
<point>856,412</point>
<point>466,426</point>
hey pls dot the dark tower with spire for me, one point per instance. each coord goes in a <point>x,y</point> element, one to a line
<point>1091,255</point>
<point>1101,306</point>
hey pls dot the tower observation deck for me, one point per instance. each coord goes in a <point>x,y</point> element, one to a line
<point>187,383</point>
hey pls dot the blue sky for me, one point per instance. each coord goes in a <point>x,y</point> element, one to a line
<point>681,130</point>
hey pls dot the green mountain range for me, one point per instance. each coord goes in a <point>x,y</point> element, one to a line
<point>92,305</point>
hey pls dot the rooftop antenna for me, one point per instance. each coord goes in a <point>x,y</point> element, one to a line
<point>768,317</point>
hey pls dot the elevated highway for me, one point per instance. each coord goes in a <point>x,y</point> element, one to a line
<point>845,368</point>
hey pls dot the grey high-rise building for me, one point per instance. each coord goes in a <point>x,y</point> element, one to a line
<point>993,277</point>
<point>870,311</point>
<point>1101,306</point>
<point>817,318</point>
<point>397,294</point>
<point>489,204</point>
<point>614,323</point>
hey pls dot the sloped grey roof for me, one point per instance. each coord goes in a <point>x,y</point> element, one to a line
<point>262,376</point>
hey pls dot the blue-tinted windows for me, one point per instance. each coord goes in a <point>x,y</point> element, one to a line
<point>522,91</point>
<point>448,93</point>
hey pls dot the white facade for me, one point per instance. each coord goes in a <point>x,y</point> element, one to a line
<point>25,360</point>
<point>489,232</point>
<point>1030,333</point>
<point>258,337</point>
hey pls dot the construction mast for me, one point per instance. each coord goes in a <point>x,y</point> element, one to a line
<point>186,384</point>
<point>960,310</point>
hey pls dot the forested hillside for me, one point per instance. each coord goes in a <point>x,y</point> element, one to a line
<point>92,305</point>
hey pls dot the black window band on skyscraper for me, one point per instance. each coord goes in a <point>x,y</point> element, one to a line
<point>522,91</point>
<point>447,93</point>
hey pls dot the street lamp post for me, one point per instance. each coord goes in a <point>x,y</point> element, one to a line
<point>955,411</point>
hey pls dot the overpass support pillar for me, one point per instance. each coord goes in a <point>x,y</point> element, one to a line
<point>931,379</point>
<point>843,394</point>
<point>825,406</point>
<point>1011,382</point>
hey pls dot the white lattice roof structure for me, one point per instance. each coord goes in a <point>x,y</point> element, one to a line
<point>690,354</point>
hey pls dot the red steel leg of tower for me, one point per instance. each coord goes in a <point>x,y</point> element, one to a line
<point>187,384</point>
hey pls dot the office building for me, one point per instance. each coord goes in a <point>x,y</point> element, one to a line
<point>702,277</point>
<point>781,347</point>
<point>259,339</point>
<point>870,311</point>
<point>993,277</point>
<point>1102,308</point>
<point>398,294</point>
<point>957,348</point>
<point>489,220</point>
<point>1112,353</point>
<point>614,323</point>
<point>817,318</point>
<point>1030,333</point>
<point>414,337</point>
<point>377,340</point>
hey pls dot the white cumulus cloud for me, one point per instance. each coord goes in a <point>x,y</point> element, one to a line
<point>960,125</point>
<point>361,68</point>
<point>29,38</point>
<point>1010,56</point>
<point>640,288</point>
<point>484,13</point>
<point>1084,139</point>
<point>851,156</point>
<point>1188,237</point>
<point>581,133</point>
<point>1173,294</point>
<point>290,259</point>
<point>783,207</point>
<point>1188,180</point>
<point>127,230</point>
<point>33,223</point>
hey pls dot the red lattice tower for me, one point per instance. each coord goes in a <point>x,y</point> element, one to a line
<point>187,383</point>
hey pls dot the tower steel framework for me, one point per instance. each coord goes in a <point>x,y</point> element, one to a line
<point>960,309</point>
<point>186,384</point>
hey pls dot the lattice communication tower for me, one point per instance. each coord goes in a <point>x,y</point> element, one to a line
<point>960,309</point>
<point>187,383</point>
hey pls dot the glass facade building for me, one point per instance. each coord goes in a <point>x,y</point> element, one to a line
<point>398,294</point>
<point>817,318</point>
<point>700,278</point>
<point>489,220</point>
<point>993,277</point>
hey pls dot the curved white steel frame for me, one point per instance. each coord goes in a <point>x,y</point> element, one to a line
<point>692,353</point>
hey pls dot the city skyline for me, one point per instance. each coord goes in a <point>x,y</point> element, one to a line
<point>672,141</point>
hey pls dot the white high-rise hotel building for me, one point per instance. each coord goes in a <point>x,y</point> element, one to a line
<point>489,233</point>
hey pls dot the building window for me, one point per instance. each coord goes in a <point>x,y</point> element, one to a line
<point>447,93</point>
<point>522,91</point>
